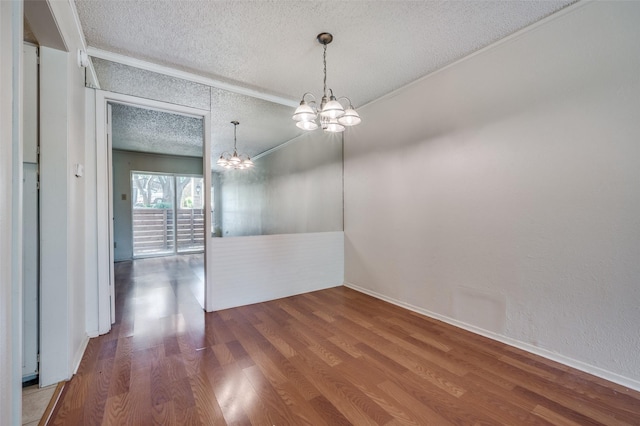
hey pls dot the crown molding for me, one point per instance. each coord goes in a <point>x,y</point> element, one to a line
<point>184,75</point>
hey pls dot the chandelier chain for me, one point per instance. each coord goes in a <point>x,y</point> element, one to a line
<point>235,126</point>
<point>324,61</point>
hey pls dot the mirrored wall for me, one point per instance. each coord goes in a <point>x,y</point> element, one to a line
<point>295,188</point>
<point>296,183</point>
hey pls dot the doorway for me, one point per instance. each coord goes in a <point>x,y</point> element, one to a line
<point>118,194</point>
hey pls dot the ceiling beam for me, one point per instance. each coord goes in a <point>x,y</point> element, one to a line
<point>184,75</point>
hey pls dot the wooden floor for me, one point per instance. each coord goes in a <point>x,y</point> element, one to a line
<point>331,357</point>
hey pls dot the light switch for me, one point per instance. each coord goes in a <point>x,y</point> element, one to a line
<point>79,170</point>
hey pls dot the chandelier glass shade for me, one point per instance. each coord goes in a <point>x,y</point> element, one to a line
<point>331,115</point>
<point>235,160</point>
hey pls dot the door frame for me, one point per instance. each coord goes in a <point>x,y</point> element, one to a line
<point>104,189</point>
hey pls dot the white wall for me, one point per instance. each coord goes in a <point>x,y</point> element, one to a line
<point>10,213</point>
<point>124,162</point>
<point>246,270</point>
<point>62,204</point>
<point>505,195</point>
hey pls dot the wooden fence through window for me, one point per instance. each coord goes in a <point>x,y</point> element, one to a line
<point>153,231</point>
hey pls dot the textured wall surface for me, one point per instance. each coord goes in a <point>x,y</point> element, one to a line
<point>505,198</point>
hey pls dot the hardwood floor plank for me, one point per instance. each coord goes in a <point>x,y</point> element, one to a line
<point>140,396</point>
<point>381,360</point>
<point>573,409</point>
<point>93,409</point>
<point>277,410</point>
<point>345,346</point>
<point>316,374</point>
<point>338,387</point>
<point>420,353</point>
<point>368,385</point>
<point>234,393</point>
<point>444,404</point>
<point>118,410</point>
<point>163,414</point>
<point>328,411</point>
<point>268,368</point>
<point>502,411</point>
<point>240,356</point>
<point>208,408</point>
<point>217,330</point>
<point>331,357</point>
<point>159,383</point>
<point>252,341</point>
<point>121,376</point>
<point>553,417</point>
<point>217,355</point>
<point>422,414</point>
<point>305,387</point>
<point>302,409</point>
<point>274,338</point>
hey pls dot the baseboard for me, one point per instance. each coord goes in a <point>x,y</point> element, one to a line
<point>554,356</point>
<point>79,354</point>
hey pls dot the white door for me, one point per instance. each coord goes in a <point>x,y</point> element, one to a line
<point>30,272</point>
<point>30,259</point>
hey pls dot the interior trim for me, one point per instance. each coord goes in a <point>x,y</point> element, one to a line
<point>184,75</point>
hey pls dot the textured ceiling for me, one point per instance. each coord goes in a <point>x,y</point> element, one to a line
<point>144,130</point>
<point>270,46</point>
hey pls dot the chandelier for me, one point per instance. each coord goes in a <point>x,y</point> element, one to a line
<point>331,115</point>
<point>235,161</point>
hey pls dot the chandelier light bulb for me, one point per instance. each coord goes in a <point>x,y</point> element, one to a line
<point>333,126</point>
<point>332,109</point>
<point>234,159</point>
<point>304,112</point>
<point>307,125</point>
<point>350,118</point>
